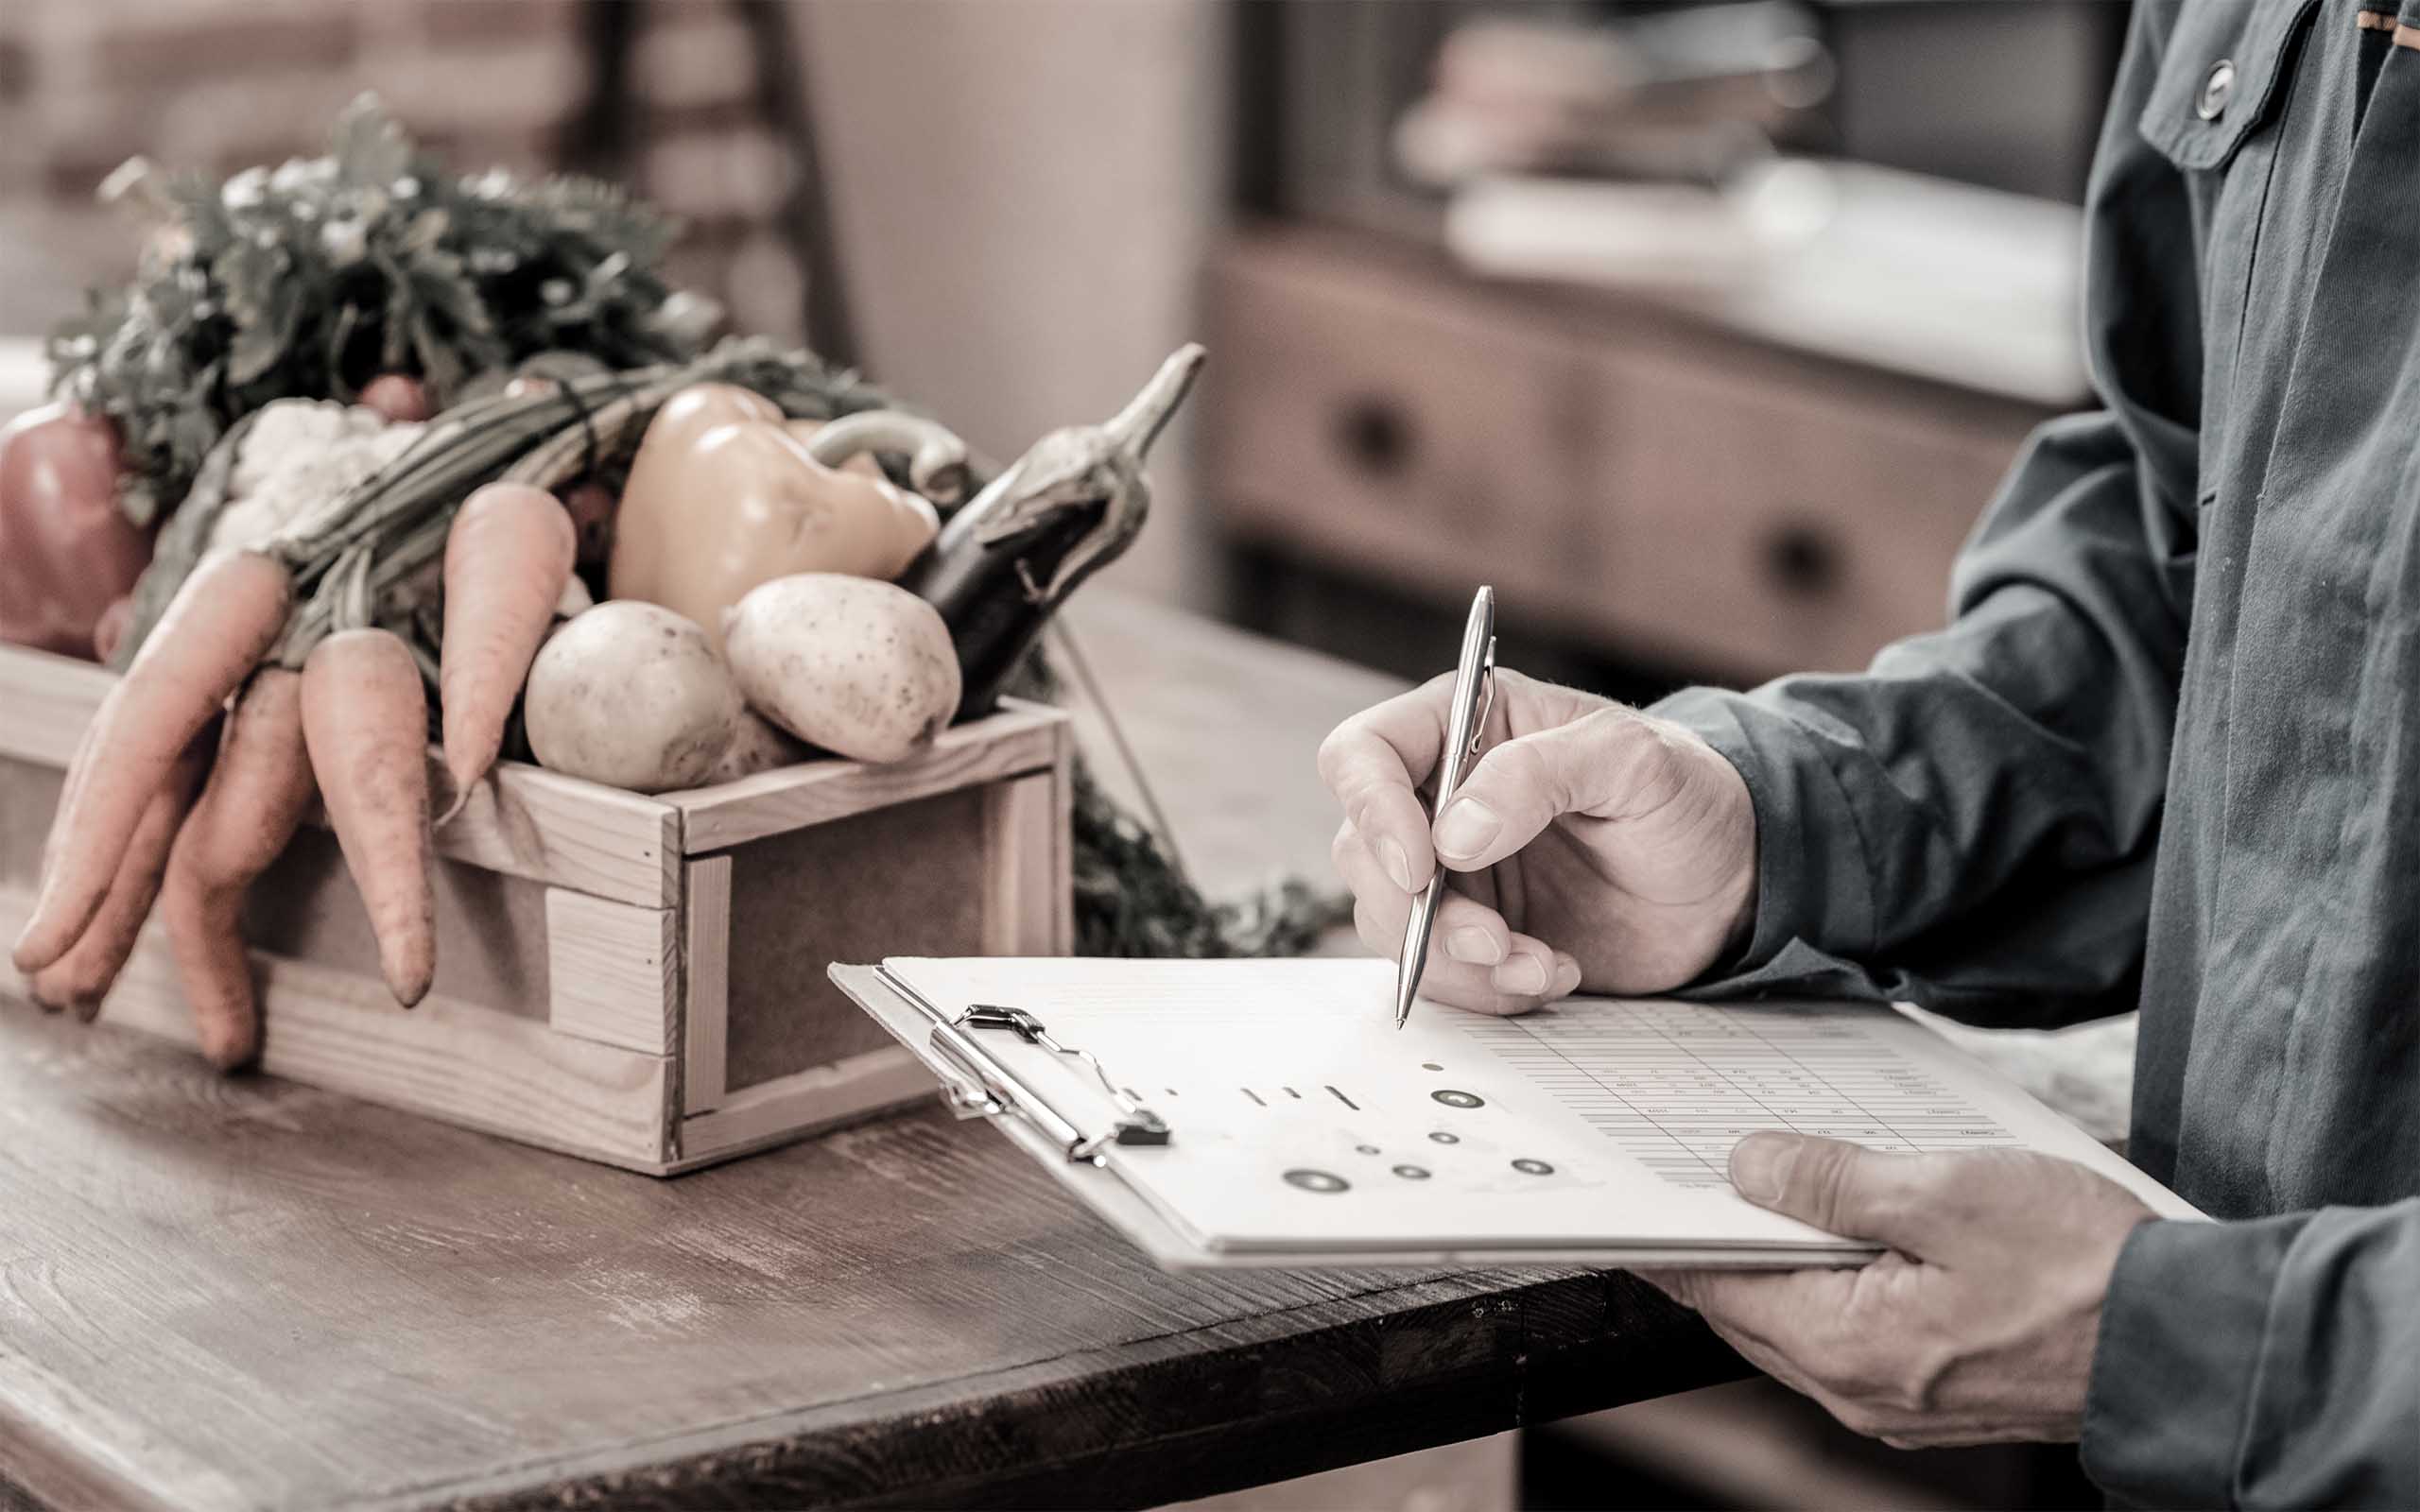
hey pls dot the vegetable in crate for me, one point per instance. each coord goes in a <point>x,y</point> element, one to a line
<point>857,666</point>
<point>219,626</point>
<point>507,563</point>
<point>1061,512</point>
<point>67,553</point>
<point>365,726</point>
<point>632,695</point>
<point>250,808</point>
<point>291,460</point>
<point>758,744</point>
<point>82,977</point>
<point>727,493</point>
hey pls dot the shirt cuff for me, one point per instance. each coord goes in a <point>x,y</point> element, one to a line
<point>1813,882</point>
<point>2169,1402</point>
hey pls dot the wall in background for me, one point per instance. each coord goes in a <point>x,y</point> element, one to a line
<point>1024,192</point>
<point>220,84</point>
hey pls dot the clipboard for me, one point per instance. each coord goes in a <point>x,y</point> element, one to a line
<point>1075,1134</point>
<point>1240,1114</point>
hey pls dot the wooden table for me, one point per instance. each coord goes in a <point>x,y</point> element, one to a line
<point>249,1293</point>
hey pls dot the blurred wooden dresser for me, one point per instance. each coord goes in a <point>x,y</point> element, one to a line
<point>1634,478</point>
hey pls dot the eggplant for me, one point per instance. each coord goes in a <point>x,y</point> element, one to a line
<point>1002,565</point>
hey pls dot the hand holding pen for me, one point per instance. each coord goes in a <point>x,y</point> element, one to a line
<point>1589,845</point>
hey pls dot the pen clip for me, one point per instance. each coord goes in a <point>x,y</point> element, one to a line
<point>1486,699</point>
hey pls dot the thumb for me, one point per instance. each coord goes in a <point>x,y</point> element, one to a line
<point>1605,764</point>
<point>1839,1187</point>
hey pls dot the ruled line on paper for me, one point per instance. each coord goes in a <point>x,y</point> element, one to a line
<point>1675,1085</point>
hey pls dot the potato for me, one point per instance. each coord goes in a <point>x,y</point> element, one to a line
<point>756,746</point>
<point>853,665</point>
<point>632,695</point>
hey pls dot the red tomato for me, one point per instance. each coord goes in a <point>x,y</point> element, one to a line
<point>397,396</point>
<point>67,551</point>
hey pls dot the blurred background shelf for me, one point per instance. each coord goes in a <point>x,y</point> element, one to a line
<point>1705,331</point>
<point>1642,484</point>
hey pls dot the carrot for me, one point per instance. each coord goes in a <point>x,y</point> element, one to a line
<point>77,767</point>
<point>256,797</point>
<point>49,986</point>
<point>364,722</point>
<point>82,977</point>
<point>507,558</point>
<point>220,624</point>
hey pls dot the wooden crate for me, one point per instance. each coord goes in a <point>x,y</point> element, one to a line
<point>635,980</point>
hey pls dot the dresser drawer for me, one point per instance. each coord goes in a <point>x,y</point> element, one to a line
<point>1635,483</point>
<point>1429,444</point>
<point>1751,526</point>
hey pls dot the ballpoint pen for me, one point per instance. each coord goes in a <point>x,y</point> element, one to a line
<point>1465,724</point>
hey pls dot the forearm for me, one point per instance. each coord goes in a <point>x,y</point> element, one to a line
<point>2266,1363</point>
<point>1970,823</point>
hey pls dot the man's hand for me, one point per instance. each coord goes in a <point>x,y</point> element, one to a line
<point>1590,846</point>
<point>1978,1327</point>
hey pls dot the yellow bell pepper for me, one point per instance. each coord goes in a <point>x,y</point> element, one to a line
<point>725,493</point>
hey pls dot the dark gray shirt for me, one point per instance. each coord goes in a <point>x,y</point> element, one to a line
<point>2167,752</point>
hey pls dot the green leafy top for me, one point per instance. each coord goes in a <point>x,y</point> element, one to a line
<point>309,280</point>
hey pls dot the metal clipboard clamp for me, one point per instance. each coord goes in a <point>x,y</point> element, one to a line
<point>977,1085</point>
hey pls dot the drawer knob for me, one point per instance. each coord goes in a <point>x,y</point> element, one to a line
<point>1803,560</point>
<point>1375,433</point>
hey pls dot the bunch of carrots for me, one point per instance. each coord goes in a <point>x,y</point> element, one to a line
<point>139,822</point>
<point>276,674</point>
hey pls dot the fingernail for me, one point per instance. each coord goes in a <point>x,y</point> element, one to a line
<point>1390,856</point>
<point>1466,828</point>
<point>1566,975</point>
<point>1522,976</point>
<point>1760,1167</point>
<point>1474,946</point>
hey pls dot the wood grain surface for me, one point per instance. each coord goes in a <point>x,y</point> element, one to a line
<point>245,1293</point>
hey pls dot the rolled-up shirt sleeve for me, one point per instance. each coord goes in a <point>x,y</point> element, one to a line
<point>1970,822</point>
<point>2266,1363</point>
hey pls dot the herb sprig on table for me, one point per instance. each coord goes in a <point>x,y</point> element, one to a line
<point>308,280</point>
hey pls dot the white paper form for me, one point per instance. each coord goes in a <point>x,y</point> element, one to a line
<point>1675,1085</point>
<point>1306,1124</point>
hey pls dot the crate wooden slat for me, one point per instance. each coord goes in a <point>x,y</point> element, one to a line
<point>612,972</point>
<point>707,915</point>
<point>599,992</point>
<point>454,1060</point>
<point>1022,738</point>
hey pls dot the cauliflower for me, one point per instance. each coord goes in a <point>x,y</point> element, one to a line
<point>302,455</point>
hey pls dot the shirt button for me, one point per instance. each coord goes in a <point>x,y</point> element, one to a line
<point>2215,90</point>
